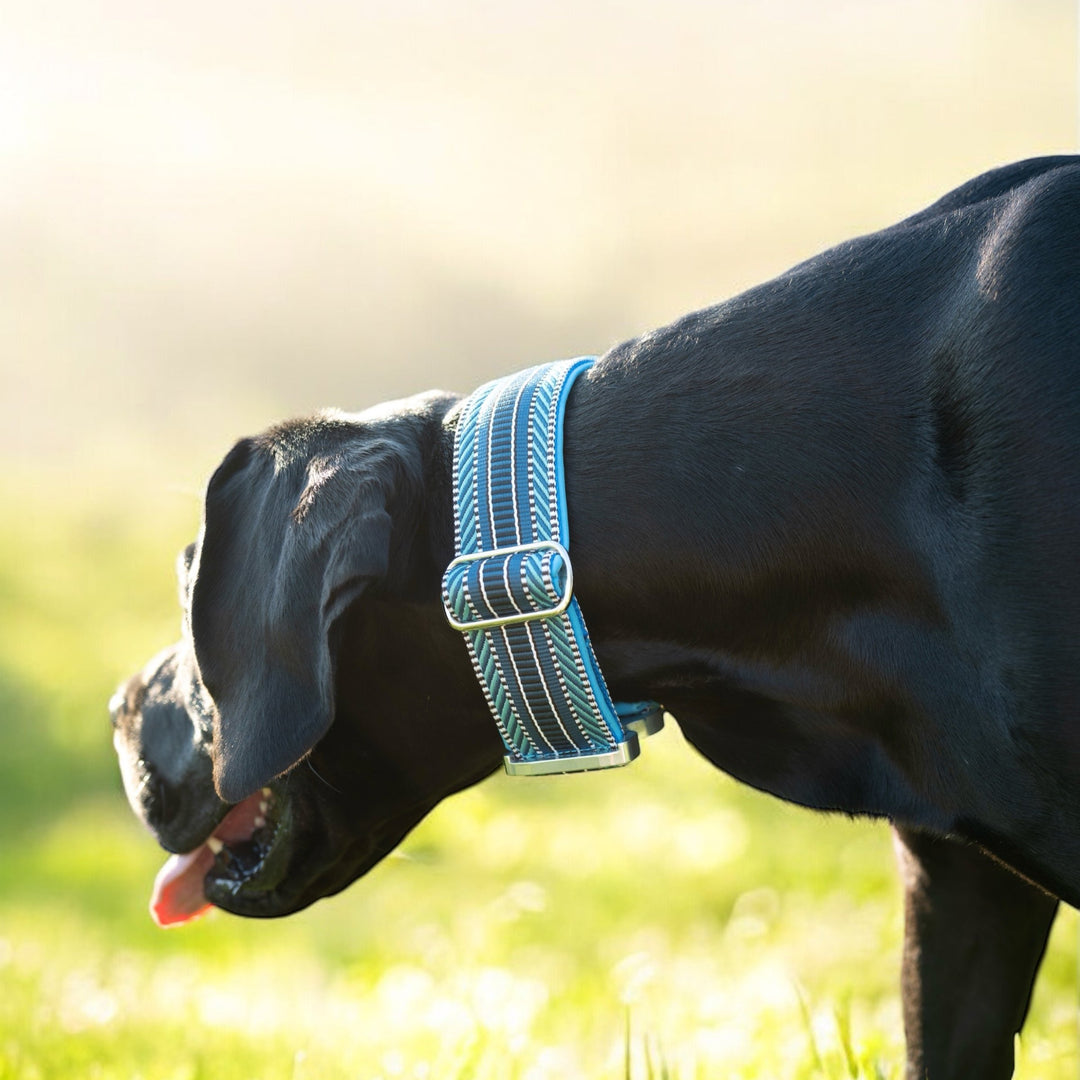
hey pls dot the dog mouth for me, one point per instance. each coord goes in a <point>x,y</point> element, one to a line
<point>242,861</point>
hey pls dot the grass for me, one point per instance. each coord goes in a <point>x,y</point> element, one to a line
<point>659,922</point>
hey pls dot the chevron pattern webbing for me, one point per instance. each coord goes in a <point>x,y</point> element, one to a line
<point>509,590</point>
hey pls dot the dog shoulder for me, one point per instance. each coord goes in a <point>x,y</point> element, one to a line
<point>1002,183</point>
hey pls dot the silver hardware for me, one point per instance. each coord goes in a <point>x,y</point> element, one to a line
<point>647,724</point>
<point>623,754</point>
<point>525,616</point>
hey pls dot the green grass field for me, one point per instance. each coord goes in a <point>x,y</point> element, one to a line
<point>661,921</point>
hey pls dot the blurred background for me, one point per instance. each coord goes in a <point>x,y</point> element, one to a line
<point>216,215</point>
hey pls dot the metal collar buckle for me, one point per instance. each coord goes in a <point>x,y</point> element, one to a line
<point>519,616</point>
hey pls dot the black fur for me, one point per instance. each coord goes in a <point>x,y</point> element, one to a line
<point>831,524</point>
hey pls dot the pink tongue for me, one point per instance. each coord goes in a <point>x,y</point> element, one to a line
<point>178,888</point>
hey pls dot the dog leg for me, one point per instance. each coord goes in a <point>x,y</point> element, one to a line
<point>974,936</point>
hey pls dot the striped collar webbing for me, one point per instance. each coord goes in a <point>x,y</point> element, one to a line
<point>510,588</point>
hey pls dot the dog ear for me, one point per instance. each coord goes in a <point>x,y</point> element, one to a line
<point>296,526</point>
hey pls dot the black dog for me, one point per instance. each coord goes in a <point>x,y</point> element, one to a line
<point>832,524</point>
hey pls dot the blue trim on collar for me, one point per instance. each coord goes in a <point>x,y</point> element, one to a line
<point>509,589</point>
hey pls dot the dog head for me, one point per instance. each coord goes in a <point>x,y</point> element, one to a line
<point>318,705</point>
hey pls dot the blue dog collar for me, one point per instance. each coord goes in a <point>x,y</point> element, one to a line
<point>510,588</point>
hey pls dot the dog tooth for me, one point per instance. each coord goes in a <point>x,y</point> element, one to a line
<point>267,792</point>
<point>260,822</point>
<point>263,806</point>
<point>215,845</point>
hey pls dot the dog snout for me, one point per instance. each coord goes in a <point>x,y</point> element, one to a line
<point>164,753</point>
<point>127,701</point>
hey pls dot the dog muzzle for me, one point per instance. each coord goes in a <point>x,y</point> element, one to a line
<point>510,588</point>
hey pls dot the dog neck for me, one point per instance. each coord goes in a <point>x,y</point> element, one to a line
<point>728,538</point>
